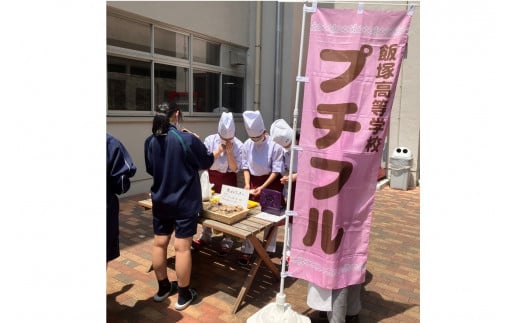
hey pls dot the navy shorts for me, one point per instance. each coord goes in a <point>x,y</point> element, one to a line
<point>184,228</point>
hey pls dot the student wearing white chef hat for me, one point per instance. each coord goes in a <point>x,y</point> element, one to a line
<point>282,134</point>
<point>224,169</point>
<point>262,163</point>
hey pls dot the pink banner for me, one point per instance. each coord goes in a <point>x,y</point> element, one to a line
<point>353,63</point>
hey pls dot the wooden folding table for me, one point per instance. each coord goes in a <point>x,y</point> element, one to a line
<point>246,229</point>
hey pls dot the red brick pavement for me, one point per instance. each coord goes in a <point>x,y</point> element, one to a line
<point>390,292</point>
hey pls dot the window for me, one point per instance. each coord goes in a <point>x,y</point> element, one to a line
<point>206,52</point>
<point>128,34</point>
<point>205,91</point>
<point>170,43</point>
<point>128,84</point>
<point>198,74</point>
<point>232,90</point>
<point>171,85</point>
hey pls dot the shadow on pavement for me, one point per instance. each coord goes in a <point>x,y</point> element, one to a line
<point>371,302</point>
<point>141,311</point>
<point>377,305</point>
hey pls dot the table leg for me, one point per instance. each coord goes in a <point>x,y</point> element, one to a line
<point>262,256</point>
<point>262,253</point>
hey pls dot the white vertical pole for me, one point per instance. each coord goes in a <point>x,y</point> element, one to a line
<point>280,298</point>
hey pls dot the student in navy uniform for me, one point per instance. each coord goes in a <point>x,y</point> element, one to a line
<point>174,158</point>
<point>224,169</point>
<point>120,168</point>
<point>262,163</point>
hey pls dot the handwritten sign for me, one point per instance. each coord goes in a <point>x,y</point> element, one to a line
<point>230,195</point>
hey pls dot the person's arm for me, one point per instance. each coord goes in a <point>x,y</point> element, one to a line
<point>120,166</point>
<point>203,157</point>
<point>247,179</point>
<point>245,167</point>
<point>267,182</point>
<point>219,150</point>
<point>147,163</point>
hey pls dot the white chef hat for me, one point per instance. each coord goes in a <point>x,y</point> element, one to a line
<point>254,123</point>
<point>281,132</point>
<point>226,125</point>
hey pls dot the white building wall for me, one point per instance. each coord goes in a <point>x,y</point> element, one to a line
<point>225,20</point>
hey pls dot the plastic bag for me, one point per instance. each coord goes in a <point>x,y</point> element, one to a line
<point>205,185</point>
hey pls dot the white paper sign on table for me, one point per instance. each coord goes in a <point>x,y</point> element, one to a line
<point>269,217</point>
<point>230,195</point>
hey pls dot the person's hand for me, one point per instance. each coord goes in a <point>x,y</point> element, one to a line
<point>229,147</point>
<point>255,192</point>
<point>284,179</point>
<point>246,187</point>
<point>219,150</point>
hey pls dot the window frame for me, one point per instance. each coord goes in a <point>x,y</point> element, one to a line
<point>153,58</point>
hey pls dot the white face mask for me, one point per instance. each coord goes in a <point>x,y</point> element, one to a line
<point>258,139</point>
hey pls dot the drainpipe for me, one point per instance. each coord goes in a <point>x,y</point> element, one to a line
<point>256,99</point>
<point>276,96</point>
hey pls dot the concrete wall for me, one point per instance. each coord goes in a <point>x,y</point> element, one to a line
<point>225,20</point>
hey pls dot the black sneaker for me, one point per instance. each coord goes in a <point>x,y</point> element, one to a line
<point>173,290</point>
<point>180,307</point>
<point>245,259</point>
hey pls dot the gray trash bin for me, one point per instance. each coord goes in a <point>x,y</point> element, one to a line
<point>400,164</point>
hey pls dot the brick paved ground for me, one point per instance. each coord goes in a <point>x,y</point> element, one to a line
<point>390,293</point>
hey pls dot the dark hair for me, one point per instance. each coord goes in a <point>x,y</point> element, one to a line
<point>172,108</point>
<point>161,121</point>
<point>160,125</point>
<point>162,108</point>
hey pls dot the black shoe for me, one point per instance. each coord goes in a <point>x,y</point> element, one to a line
<point>352,318</point>
<point>173,290</point>
<point>180,307</point>
<point>318,317</point>
<point>224,251</point>
<point>245,259</point>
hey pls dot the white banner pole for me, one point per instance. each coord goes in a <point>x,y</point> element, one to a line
<point>281,311</point>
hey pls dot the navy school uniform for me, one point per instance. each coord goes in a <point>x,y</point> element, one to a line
<point>176,191</point>
<point>120,168</point>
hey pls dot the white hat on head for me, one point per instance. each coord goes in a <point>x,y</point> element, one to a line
<point>254,123</point>
<point>226,125</point>
<point>281,132</point>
